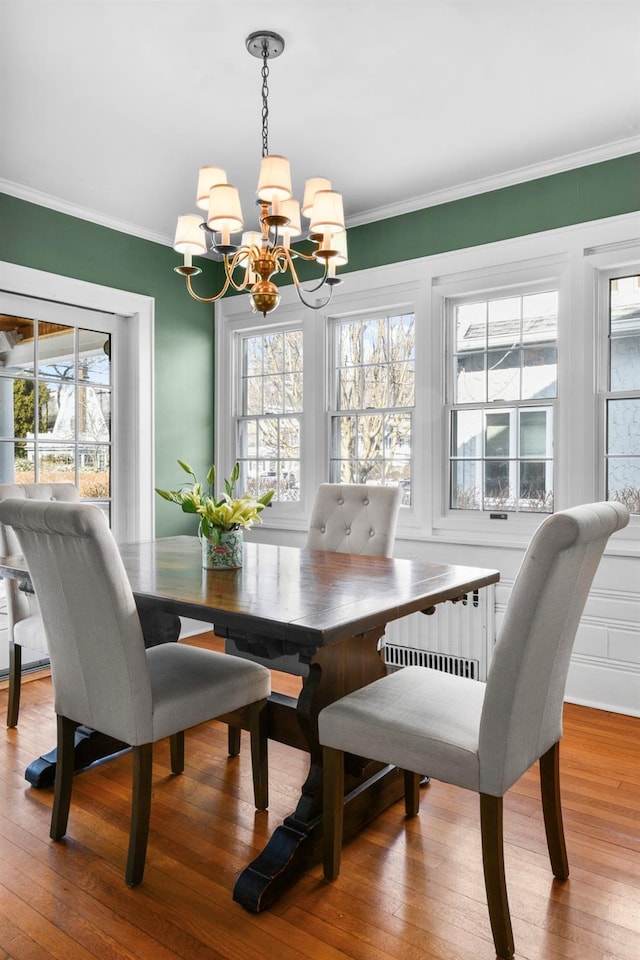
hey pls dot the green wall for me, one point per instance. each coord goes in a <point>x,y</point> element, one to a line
<point>36,237</point>
<point>43,239</point>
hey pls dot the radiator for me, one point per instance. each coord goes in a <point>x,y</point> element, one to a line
<point>458,638</point>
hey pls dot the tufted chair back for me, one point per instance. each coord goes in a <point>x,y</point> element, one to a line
<point>354,518</point>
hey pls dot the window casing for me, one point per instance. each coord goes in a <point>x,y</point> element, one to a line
<point>621,305</point>
<point>373,392</point>
<point>502,389</point>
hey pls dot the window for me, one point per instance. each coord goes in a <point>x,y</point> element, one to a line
<point>503,386</point>
<point>622,445</point>
<point>373,400</point>
<point>55,415</point>
<point>270,413</point>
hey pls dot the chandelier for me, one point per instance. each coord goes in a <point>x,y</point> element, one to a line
<point>260,254</point>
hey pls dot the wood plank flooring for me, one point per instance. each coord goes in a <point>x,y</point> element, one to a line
<point>409,890</point>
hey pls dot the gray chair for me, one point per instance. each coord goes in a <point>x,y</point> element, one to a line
<point>105,678</point>
<point>24,622</point>
<point>483,737</point>
<point>359,518</point>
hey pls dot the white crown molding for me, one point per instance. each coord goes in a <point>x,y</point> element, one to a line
<point>570,161</point>
<point>82,213</point>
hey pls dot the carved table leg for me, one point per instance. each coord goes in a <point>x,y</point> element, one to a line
<point>91,745</point>
<point>296,845</point>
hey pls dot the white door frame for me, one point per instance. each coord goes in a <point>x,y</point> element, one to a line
<point>136,485</point>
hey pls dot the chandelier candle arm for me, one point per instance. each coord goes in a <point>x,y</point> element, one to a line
<point>263,253</point>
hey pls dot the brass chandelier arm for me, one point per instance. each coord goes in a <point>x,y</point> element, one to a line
<point>300,289</point>
<point>207,299</point>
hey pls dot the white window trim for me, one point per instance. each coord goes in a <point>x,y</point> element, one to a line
<point>573,254</point>
<point>133,468</point>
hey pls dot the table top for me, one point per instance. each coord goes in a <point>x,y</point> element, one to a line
<point>309,597</point>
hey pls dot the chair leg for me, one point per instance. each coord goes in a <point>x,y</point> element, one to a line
<point>259,760</point>
<point>234,740</point>
<point>176,746</point>
<point>140,811</point>
<point>333,810</point>
<point>15,679</point>
<point>494,878</point>
<point>65,762</point>
<point>552,811</point>
<point>411,793</point>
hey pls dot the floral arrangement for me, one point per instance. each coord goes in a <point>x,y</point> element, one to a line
<point>217,515</point>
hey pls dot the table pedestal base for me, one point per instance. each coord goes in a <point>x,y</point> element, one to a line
<point>295,847</point>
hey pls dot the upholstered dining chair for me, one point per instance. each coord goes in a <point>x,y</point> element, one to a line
<point>478,736</point>
<point>103,675</point>
<point>24,622</point>
<point>359,518</point>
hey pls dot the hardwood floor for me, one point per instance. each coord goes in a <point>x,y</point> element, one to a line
<point>409,890</point>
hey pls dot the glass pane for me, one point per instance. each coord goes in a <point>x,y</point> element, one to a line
<point>57,410</point>
<point>293,351</point>
<point>274,353</point>
<point>402,338</point>
<point>17,345</point>
<point>251,356</point>
<point>252,395</point>
<point>540,317</point>
<point>290,438</point>
<point>344,437</point>
<point>344,471</point>
<point>497,435</point>
<point>465,484</point>
<point>247,481</point>
<point>623,427</point>
<point>293,393</point>
<point>625,363</point>
<point>94,414</point>
<point>504,322</point>
<point>93,471</point>
<point>540,373</point>
<point>17,407</point>
<point>503,380</point>
<point>370,437</point>
<point>56,463</point>
<point>349,397</point>
<point>56,351</point>
<point>466,433</point>
<point>289,481</point>
<point>16,462</point>
<point>535,440</point>
<point>374,341</point>
<point>268,437</point>
<point>497,487</point>
<point>471,326</point>
<point>471,382</point>
<point>349,345</point>
<point>375,387</point>
<point>369,471</point>
<point>94,357</point>
<point>401,384</point>
<point>623,482</point>
<point>273,394</point>
<point>397,436</point>
<point>247,439</point>
<point>533,482</point>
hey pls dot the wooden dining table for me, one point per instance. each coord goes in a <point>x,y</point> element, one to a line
<point>328,609</point>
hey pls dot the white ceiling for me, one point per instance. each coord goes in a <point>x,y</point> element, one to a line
<point>109,107</point>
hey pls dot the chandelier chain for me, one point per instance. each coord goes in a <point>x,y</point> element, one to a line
<point>265,98</point>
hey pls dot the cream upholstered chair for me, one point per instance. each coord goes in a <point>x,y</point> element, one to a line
<point>483,737</point>
<point>105,678</point>
<point>356,518</point>
<point>25,628</point>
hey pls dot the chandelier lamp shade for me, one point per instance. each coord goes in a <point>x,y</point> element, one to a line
<point>253,257</point>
